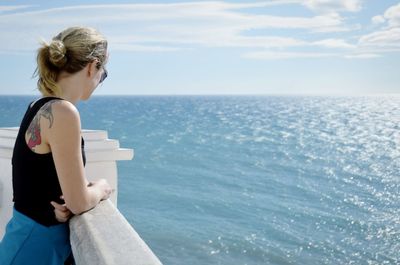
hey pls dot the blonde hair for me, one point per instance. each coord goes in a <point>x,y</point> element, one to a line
<point>70,51</point>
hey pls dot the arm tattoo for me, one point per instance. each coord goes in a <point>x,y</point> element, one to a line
<point>34,128</point>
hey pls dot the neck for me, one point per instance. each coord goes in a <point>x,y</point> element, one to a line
<point>72,87</point>
<point>69,96</point>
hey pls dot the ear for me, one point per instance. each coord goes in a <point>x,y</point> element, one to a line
<point>92,68</point>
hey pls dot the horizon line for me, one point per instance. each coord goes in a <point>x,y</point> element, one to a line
<point>227,94</point>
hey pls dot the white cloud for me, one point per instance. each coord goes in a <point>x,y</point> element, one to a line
<point>383,40</point>
<point>389,38</point>
<point>133,26</point>
<point>362,56</point>
<point>335,43</point>
<point>324,6</point>
<point>276,55</point>
<point>378,20</point>
<point>333,5</point>
<point>174,27</point>
<point>392,15</point>
<point>12,8</point>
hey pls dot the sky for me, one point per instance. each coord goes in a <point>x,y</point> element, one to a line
<point>216,47</point>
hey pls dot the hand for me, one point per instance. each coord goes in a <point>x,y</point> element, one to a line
<point>103,186</point>
<point>61,212</point>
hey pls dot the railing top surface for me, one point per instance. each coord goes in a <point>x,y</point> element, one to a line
<point>103,236</point>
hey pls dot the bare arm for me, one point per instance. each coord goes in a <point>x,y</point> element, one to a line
<point>64,139</point>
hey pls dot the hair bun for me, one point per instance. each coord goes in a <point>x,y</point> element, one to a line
<point>57,53</point>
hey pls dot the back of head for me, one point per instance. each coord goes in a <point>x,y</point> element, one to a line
<point>70,51</point>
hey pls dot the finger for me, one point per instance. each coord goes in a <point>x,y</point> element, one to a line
<point>62,215</point>
<point>62,212</point>
<point>59,207</point>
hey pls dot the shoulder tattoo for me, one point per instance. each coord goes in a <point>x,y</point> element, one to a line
<point>34,128</point>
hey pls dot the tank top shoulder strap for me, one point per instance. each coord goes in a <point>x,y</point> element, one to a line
<point>33,108</point>
<point>40,102</point>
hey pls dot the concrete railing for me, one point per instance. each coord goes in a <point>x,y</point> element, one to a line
<point>101,235</point>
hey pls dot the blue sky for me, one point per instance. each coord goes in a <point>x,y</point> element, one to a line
<point>217,47</point>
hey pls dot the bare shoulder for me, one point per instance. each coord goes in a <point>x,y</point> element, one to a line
<point>61,107</point>
<point>60,112</point>
<point>55,119</point>
<point>63,120</point>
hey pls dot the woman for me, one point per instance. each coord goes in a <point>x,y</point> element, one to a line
<point>49,181</point>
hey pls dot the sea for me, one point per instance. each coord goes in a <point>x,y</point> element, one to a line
<point>254,180</point>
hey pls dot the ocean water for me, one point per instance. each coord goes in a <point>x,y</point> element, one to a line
<point>255,180</point>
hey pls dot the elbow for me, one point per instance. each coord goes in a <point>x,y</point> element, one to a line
<point>78,208</point>
<point>81,202</point>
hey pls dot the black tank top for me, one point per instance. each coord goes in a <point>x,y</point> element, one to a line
<point>34,176</point>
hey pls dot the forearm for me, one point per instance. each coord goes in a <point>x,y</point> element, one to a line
<point>93,194</point>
